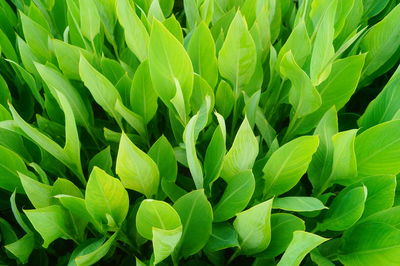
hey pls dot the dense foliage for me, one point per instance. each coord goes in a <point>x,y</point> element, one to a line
<point>200,132</point>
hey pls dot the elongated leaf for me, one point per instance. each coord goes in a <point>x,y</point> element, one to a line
<point>22,248</point>
<point>236,196</point>
<point>104,93</point>
<point>323,49</point>
<point>168,61</point>
<point>288,164</point>
<point>136,34</point>
<point>298,204</point>
<point>385,106</point>
<point>196,216</point>
<point>345,210</point>
<point>301,244</point>
<point>254,238</point>
<point>10,165</point>
<point>164,242</point>
<point>371,243</point>
<point>55,81</point>
<point>156,214</point>
<point>242,154</point>
<point>39,194</point>
<point>90,19</point>
<point>303,95</point>
<point>223,236</point>
<point>106,198</point>
<point>377,150</point>
<point>51,222</point>
<point>143,96</point>
<point>95,255</point>
<point>300,52</point>
<point>237,56</point>
<point>282,227</point>
<point>201,50</point>
<point>163,155</point>
<point>136,169</point>
<point>381,43</point>
<point>321,164</point>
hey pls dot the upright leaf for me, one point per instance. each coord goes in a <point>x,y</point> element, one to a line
<point>136,35</point>
<point>288,164</point>
<point>303,95</point>
<point>106,199</point>
<point>345,210</point>
<point>51,222</point>
<point>201,49</point>
<point>301,244</point>
<point>378,149</point>
<point>136,169</point>
<point>156,214</point>
<point>90,19</point>
<point>236,196</point>
<point>242,154</point>
<point>254,238</point>
<point>196,216</point>
<point>169,62</point>
<point>237,56</point>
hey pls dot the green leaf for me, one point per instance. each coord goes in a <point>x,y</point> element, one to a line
<point>105,197</point>
<point>104,93</point>
<point>242,154</point>
<point>321,164</point>
<point>38,193</point>
<point>164,242</point>
<point>378,150</point>
<point>136,169</point>
<point>288,164</point>
<point>224,99</point>
<point>196,216</point>
<point>190,138</point>
<point>56,81</point>
<point>385,106</point>
<point>102,160</point>
<point>168,62</point>
<point>301,52</point>
<point>381,43</point>
<point>301,244</point>
<point>323,50</point>
<point>254,238</point>
<point>143,99</point>
<point>214,159</point>
<point>36,37</point>
<point>97,254</point>
<point>51,222</point>
<point>236,196</point>
<point>371,243</point>
<point>381,193</point>
<point>298,204</point>
<point>223,236</point>
<point>201,49</point>
<point>136,35</point>
<point>156,214</point>
<point>68,57</point>
<point>282,227</point>
<point>90,19</point>
<point>303,96</point>
<point>163,155</point>
<point>345,210</point>
<point>10,164</point>
<point>22,248</point>
<point>237,56</point>
<point>134,120</point>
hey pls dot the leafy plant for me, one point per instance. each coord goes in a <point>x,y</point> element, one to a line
<point>199,132</point>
